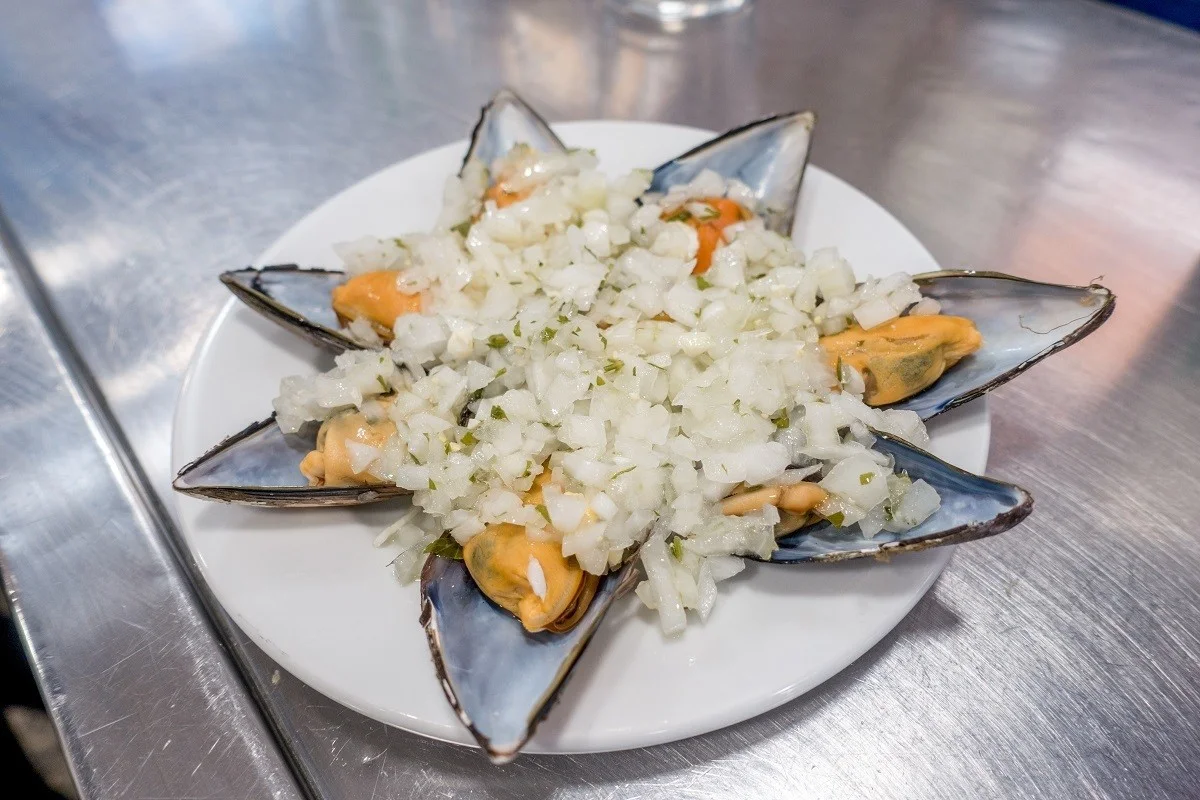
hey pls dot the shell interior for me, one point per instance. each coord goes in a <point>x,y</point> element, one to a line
<point>296,298</point>
<point>505,121</point>
<point>500,679</point>
<point>769,156</point>
<point>1022,322</point>
<point>972,507</point>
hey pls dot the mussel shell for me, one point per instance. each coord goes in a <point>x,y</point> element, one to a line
<point>768,155</point>
<point>1022,322</point>
<point>500,679</point>
<point>260,466</point>
<point>506,121</point>
<point>973,506</point>
<point>296,298</point>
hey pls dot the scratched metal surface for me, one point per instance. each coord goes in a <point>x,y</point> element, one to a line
<point>145,700</point>
<point>144,149</point>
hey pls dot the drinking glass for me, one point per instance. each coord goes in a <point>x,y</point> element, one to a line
<point>679,10</point>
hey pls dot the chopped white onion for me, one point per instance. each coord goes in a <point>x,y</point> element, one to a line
<point>541,329</point>
<point>536,578</point>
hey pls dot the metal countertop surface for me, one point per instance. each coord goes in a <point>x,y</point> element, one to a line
<point>146,146</point>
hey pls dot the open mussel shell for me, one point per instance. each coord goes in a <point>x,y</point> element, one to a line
<point>500,679</point>
<point>260,466</point>
<point>1022,322</point>
<point>769,156</point>
<point>505,122</point>
<point>973,507</point>
<point>299,299</point>
<point>296,298</point>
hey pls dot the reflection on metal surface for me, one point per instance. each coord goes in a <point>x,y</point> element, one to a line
<point>144,699</point>
<point>1055,139</point>
<point>153,34</point>
<point>673,14</point>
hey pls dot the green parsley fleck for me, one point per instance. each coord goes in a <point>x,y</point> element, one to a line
<point>781,419</point>
<point>836,519</point>
<point>681,215</point>
<point>497,340</point>
<point>600,380</point>
<point>462,228</point>
<point>548,334</point>
<point>498,413</point>
<point>528,469</point>
<point>614,365</point>
<point>446,547</point>
<point>432,485</point>
<point>469,438</point>
<point>500,372</point>
<point>517,329</point>
<point>621,472</point>
<point>703,282</point>
<point>475,395</point>
<point>382,383</point>
<point>541,509</point>
<point>866,478</point>
<point>563,319</point>
<point>677,548</point>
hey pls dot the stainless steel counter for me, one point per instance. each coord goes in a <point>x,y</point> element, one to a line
<point>146,146</point>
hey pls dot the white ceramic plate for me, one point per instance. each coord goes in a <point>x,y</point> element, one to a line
<point>308,587</point>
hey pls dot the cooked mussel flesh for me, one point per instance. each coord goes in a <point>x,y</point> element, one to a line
<point>346,444</point>
<point>899,358</point>
<point>530,579</point>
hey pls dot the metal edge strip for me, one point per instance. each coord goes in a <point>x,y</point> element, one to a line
<point>128,472</point>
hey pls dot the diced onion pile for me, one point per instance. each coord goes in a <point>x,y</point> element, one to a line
<point>571,327</point>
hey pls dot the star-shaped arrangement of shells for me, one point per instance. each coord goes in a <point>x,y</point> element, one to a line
<point>1021,322</point>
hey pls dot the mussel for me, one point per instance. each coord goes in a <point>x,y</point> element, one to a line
<point>971,507</point>
<point>530,579</point>
<point>903,357</point>
<point>261,466</point>
<point>333,460</point>
<point>768,155</point>
<point>500,679</point>
<point>1022,321</point>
